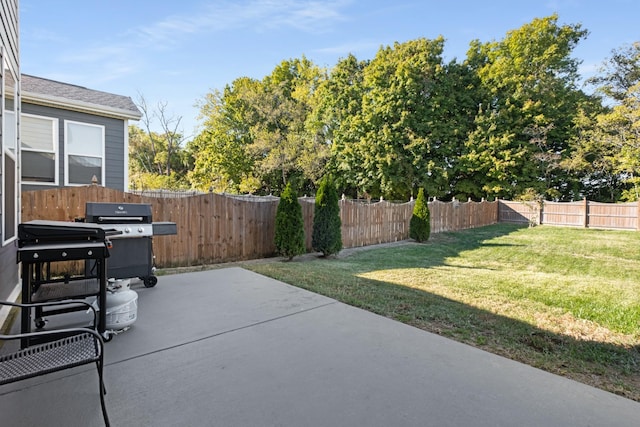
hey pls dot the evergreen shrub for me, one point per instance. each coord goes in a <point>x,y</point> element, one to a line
<point>289,233</point>
<point>327,226</point>
<point>420,223</point>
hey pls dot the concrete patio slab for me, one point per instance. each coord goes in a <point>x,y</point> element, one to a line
<point>229,347</point>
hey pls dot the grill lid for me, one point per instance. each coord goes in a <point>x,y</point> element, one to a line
<point>40,231</point>
<point>118,213</point>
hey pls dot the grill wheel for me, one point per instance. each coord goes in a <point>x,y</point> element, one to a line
<point>150,281</point>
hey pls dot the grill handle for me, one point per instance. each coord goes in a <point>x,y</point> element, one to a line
<point>120,218</point>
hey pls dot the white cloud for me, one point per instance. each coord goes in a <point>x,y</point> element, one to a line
<point>315,16</point>
<point>258,15</point>
<point>172,31</point>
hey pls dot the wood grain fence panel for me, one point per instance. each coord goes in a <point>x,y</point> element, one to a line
<point>372,220</point>
<point>235,236</point>
<point>349,217</point>
<point>223,227</point>
<point>359,224</point>
<point>308,205</point>
<point>362,224</point>
<point>210,227</point>
<point>445,216</point>
<point>217,218</point>
<point>518,212</point>
<point>356,234</point>
<point>226,227</point>
<point>172,250</point>
<point>566,213</point>
<point>622,216</point>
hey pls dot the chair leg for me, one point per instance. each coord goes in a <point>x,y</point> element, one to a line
<point>103,391</point>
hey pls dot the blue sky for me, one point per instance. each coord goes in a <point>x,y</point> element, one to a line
<point>177,51</point>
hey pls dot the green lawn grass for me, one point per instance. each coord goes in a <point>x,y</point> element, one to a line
<point>562,299</point>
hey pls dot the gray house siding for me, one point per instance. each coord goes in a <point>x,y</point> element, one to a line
<point>9,30</point>
<point>9,42</point>
<point>114,130</point>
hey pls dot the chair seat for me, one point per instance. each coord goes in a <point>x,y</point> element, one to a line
<point>61,349</point>
<point>53,356</point>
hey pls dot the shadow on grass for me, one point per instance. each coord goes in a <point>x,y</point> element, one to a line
<point>612,367</point>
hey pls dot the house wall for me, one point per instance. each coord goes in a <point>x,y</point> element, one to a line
<point>114,141</point>
<point>9,41</point>
<point>9,29</point>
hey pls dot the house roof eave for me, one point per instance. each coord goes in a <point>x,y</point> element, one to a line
<point>80,106</point>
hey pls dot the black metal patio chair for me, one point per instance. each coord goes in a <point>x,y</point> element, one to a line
<point>57,350</point>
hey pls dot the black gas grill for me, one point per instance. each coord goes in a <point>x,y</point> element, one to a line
<point>42,243</point>
<point>132,249</point>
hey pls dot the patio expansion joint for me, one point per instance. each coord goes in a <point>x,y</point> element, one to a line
<point>229,331</point>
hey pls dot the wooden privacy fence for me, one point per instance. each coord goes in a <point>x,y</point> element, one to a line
<point>215,228</point>
<point>620,216</point>
<point>453,216</point>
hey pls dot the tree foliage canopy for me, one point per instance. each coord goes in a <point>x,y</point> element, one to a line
<point>257,134</point>
<point>522,127</point>
<point>507,120</point>
<point>156,161</point>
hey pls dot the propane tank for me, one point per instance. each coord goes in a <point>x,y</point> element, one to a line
<point>122,305</point>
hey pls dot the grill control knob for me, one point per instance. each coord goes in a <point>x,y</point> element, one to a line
<point>127,230</point>
<point>140,230</point>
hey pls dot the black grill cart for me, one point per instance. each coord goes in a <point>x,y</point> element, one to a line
<point>41,243</point>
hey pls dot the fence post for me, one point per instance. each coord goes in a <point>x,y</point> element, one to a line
<point>638,216</point>
<point>586,213</point>
<point>540,212</point>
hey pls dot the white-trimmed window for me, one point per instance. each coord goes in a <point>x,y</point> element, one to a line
<point>84,153</point>
<point>39,154</point>
<point>9,152</point>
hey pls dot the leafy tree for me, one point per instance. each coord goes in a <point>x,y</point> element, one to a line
<point>420,222</point>
<point>523,126</point>
<point>256,134</point>
<point>464,91</point>
<point>327,231</point>
<point>619,73</point>
<point>282,141</point>
<point>221,151</point>
<point>616,135</point>
<point>148,162</point>
<point>507,121</point>
<point>157,160</point>
<point>591,164</point>
<point>289,233</point>
<point>399,121</point>
<point>622,127</point>
<point>606,145</point>
<point>163,147</point>
<point>335,119</point>
<point>399,139</point>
